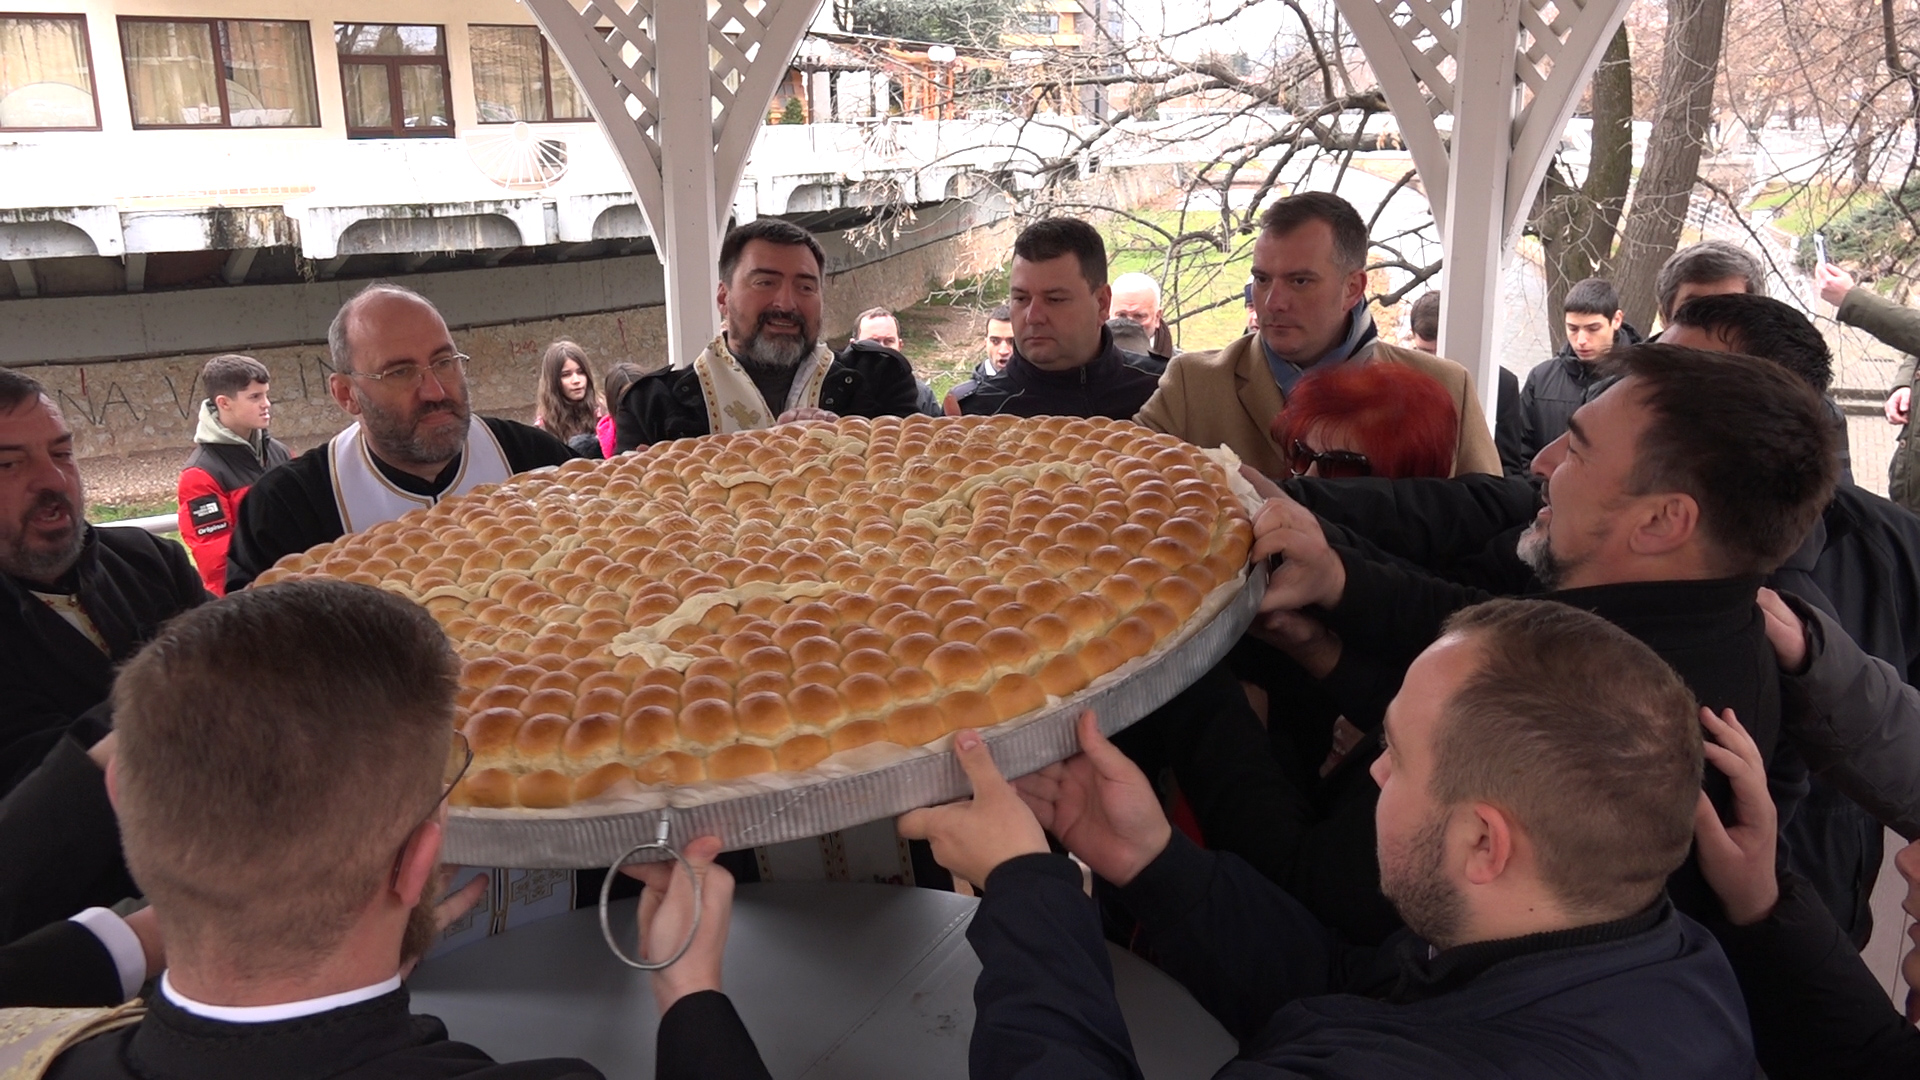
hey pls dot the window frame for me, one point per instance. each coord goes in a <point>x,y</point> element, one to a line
<point>86,45</point>
<point>220,59</point>
<point>546,85</point>
<point>395,92</point>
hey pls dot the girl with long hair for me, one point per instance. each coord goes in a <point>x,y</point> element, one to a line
<point>567,402</point>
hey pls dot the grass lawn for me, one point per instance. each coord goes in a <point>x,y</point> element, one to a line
<point>112,512</point>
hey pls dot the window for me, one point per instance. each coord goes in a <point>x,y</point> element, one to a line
<point>1042,22</point>
<point>219,73</point>
<point>395,80</point>
<point>46,82</point>
<point>515,77</point>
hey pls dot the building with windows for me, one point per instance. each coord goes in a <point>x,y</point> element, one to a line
<point>185,177</point>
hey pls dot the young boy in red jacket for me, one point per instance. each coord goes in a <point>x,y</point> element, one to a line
<point>231,451</point>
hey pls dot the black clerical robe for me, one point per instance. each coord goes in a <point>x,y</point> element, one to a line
<point>700,1038</point>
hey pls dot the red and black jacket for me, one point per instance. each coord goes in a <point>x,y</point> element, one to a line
<point>216,477</point>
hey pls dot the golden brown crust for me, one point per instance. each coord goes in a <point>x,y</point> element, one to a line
<point>710,609</point>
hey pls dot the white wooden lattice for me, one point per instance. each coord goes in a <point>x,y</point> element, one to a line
<point>680,88</point>
<point>1415,47</point>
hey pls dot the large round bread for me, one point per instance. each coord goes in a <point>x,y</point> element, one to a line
<point>715,608</point>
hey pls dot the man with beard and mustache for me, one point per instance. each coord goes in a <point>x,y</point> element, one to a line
<point>414,441</point>
<point>1669,499</point>
<point>78,599</point>
<point>768,366</point>
<point>1539,785</point>
<point>281,780</point>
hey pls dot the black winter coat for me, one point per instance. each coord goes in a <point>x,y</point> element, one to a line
<point>1817,1010</point>
<point>1648,996</point>
<point>865,379</point>
<point>1554,391</point>
<point>129,582</point>
<point>1115,384</point>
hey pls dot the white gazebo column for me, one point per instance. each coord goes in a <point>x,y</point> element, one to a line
<point>1509,72</point>
<point>680,87</point>
<point>1474,228</point>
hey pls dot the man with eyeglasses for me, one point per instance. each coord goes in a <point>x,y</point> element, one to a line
<point>414,441</point>
<point>291,902</point>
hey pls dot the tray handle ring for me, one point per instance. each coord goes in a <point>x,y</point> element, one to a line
<point>658,843</point>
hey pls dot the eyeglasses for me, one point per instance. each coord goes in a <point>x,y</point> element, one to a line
<point>459,759</point>
<point>447,369</point>
<point>1334,464</point>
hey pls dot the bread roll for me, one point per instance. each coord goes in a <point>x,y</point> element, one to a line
<point>727,606</point>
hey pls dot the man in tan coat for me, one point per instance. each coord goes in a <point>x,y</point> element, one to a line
<point>1309,290</point>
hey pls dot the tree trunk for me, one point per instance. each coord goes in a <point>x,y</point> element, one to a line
<point>1577,226</point>
<point>1695,29</point>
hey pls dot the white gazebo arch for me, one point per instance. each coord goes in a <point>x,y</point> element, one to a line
<point>1509,73</point>
<point>681,87</point>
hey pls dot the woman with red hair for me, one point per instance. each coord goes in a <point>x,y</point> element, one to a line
<point>1372,419</point>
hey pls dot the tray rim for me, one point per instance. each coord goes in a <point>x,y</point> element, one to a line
<point>841,802</point>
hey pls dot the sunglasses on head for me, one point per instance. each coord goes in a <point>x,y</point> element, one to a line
<point>1334,464</point>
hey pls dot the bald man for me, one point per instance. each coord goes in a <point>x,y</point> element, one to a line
<point>413,442</point>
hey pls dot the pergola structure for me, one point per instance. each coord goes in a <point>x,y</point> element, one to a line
<point>681,87</point>
<point>1509,73</point>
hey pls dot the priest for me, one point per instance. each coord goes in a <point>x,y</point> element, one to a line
<point>413,442</point>
<point>768,365</point>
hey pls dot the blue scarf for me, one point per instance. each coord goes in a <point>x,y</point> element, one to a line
<point>1360,334</point>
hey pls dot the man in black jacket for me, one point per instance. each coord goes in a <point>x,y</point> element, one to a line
<point>1064,361</point>
<point>768,365</point>
<point>293,865</point>
<point>75,600</point>
<point>1670,497</point>
<point>1538,786</point>
<point>1555,388</point>
<point>414,441</point>
<point>1817,1010</point>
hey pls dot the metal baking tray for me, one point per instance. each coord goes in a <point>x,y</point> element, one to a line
<point>839,802</point>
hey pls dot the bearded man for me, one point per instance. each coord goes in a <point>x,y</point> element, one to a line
<point>414,441</point>
<point>768,365</point>
<point>1539,784</point>
<point>78,600</point>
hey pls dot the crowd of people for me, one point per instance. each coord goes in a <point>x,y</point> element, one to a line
<point>1561,745</point>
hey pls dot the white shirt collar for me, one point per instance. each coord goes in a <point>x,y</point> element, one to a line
<point>264,1014</point>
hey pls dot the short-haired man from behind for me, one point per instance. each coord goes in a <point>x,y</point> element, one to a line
<point>293,865</point>
<point>1556,387</point>
<point>75,600</point>
<point>1538,786</point>
<point>1064,361</point>
<point>231,450</point>
<point>1309,292</point>
<point>768,365</point>
<point>1759,325</point>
